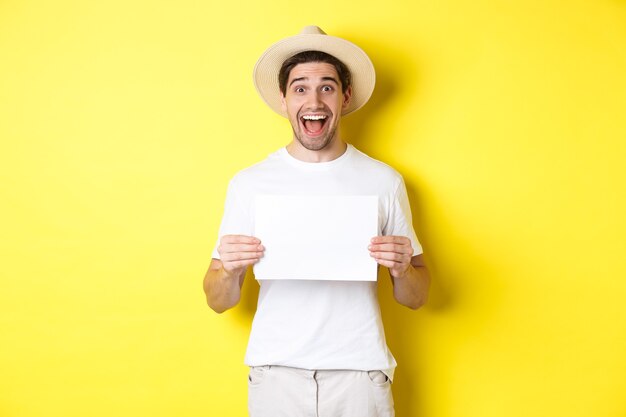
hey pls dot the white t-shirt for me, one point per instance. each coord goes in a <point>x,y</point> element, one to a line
<point>319,324</point>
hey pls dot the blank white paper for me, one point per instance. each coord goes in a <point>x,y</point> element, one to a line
<point>316,237</point>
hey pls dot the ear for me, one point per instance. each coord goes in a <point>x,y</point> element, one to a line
<point>347,96</point>
<point>283,103</point>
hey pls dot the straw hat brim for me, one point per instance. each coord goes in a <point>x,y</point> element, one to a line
<point>361,68</point>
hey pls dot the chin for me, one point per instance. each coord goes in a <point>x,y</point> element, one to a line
<point>314,145</point>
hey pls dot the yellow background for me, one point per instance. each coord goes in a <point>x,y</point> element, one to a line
<point>121,123</point>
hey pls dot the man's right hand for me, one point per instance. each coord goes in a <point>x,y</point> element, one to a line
<point>237,252</point>
<point>223,280</point>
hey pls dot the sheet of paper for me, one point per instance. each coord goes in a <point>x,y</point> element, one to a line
<point>316,237</point>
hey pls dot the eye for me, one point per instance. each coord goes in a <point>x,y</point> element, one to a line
<point>299,89</point>
<point>327,88</point>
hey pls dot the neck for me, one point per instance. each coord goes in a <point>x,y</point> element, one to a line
<point>332,151</point>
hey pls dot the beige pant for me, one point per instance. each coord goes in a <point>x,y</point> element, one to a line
<point>279,391</point>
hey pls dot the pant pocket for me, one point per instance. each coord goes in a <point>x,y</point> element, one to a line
<point>257,387</point>
<point>380,388</point>
<point>257,374</point>
<point>378,378</point>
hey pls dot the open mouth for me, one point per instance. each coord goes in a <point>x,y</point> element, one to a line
<point>313,123</point>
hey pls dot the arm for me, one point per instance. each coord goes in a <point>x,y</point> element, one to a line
<point>223,280</point>
<point>408,273</point>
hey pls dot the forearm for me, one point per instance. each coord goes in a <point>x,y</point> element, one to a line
<point>223,290</point>
<point>411,288</point>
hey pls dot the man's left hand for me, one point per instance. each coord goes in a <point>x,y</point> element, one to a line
<point>394,252</point>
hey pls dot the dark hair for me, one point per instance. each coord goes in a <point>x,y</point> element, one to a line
<point>313,56</point>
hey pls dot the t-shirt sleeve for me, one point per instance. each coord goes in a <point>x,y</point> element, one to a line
<point>400,222</point>
<point>236,219</point>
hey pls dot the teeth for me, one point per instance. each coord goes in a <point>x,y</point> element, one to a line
<point>314,117</point>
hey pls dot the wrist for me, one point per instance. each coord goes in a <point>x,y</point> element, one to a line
<point>400,274</point>
<point>230,274</point>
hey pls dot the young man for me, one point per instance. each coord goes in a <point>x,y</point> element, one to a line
<point>317,348</point>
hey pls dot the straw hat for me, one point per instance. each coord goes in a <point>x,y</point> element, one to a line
<point>312,38</point>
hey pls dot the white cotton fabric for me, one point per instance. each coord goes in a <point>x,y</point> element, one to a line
<point>319,324</point>
<point>275,391</point>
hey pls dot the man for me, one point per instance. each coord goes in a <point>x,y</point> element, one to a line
<point>317,348</point>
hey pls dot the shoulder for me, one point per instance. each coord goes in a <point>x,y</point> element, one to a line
<point>374,167</point>
<point>252,174</point>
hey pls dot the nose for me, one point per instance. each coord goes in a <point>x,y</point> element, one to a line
<point>315,100</point>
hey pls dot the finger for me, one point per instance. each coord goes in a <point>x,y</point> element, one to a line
<point>391,256</point>
<point>388,264</point>
<point>391,247</point>
<point>241,256</point>
<point>251,240</point>
<point>239,247</point>
<point>392,264</point>
<point>229,266</point>
<point>402,240</point>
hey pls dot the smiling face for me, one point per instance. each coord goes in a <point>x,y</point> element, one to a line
<point>313,101</point>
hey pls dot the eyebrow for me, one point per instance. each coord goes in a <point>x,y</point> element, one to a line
<point>333,79</point>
